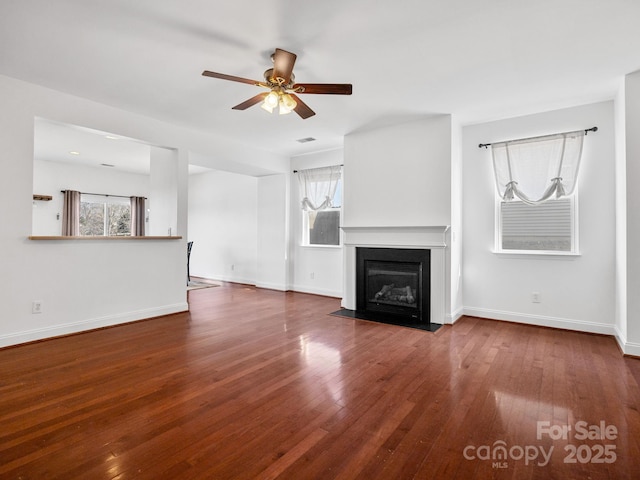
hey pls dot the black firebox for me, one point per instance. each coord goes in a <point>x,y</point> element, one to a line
<point>393,285</point>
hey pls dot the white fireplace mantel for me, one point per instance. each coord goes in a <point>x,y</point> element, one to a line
<point>429,237</point>
<point>401,236</point>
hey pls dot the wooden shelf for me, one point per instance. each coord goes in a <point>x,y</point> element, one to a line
<point>60,237</point>
<point>45,198</point>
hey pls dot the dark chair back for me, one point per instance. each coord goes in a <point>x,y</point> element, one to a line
<point>189,246</point>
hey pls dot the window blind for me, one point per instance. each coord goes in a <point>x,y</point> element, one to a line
<point>544,226</point>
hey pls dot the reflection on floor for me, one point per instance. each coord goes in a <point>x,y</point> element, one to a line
<point>199,282</point>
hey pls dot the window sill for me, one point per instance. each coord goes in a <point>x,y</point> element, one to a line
<point>328,247</point>
<point>97,237</point>
<point>535,254</point>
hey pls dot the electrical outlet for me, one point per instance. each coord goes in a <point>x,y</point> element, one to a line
<point>36,306</point>
<point>312,275</point>
<point>233,267</point>
<point>535,297</point>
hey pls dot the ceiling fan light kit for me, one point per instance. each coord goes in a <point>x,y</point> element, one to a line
<point>280,100</point>
<point>280,82</point>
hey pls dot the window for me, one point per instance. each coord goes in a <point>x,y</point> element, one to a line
<point>102,215</point>
<point>321,200</point>
<point>548,227</point>
<point>322,227</point>
<point>542,173</point>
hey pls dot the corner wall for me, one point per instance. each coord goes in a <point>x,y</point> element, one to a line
<point>454,240</point>
<point>163,192</point>
<point>621,218</point>
<point>273,230</point>
<point>223,224</point>
<point>631,320</point>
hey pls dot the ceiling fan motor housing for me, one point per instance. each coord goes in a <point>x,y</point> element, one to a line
<point>278,81</point>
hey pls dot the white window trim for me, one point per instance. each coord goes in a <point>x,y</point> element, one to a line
<point>575,234</point>
<point>105,200</point>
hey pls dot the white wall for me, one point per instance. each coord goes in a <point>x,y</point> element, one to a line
<point>49,178</point>
<point>239,227</point>
<point>453,279</point>
<point>630,213</point>
<point>314,269</point>
<point>576,292</point>
<point>273,231</point>
<point>223,224</point>
<point>88,284</point>
<point>163,192</point>
<point>399,175</point>
<point>621,293</point>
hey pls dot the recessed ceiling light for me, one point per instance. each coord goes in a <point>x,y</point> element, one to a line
<point>73,152</point>
<point>111,137</point>
<point>305,140</point>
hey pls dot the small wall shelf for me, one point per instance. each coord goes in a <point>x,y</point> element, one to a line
<point>44,198</point>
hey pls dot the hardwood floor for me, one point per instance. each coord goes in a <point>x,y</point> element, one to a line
<point>258,384</point>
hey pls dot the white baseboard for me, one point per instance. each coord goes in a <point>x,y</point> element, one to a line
<point>227,278</point>
<point>542,321</point>
<point>272,286</point>
<point>628,348</point>
<point>91,324</point>
<point>453,317</point>
<point>316,291</point>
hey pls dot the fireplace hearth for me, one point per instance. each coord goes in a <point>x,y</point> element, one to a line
<point>393,285</point>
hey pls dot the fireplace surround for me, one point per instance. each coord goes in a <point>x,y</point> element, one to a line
<point>433,238</point>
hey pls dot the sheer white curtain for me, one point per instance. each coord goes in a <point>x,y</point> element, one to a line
<point>536,169</point>
<point>318,186</point>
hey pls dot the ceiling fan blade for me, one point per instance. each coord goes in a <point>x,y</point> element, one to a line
<point>251,102</point>
<point>324,88</point>
<point>302,108</point>
<point>224,76</point>
<point>283,62</point>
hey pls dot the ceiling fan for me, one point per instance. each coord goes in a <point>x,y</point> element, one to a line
<point>283,91</point>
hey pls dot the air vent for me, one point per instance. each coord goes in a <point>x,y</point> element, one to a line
<point>107,165</point>
<point>306,140</point>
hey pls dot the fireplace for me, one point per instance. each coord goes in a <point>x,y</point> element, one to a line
<point>432,239</point>
<point>393,284</point>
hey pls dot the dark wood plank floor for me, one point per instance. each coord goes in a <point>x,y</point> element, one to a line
<point>258,384</point>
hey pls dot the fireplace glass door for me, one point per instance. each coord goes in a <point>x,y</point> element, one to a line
<point>393,287</point>
<point>393,282</point>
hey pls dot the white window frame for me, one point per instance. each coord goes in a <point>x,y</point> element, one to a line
<point>305,242</point>
<point>105,201</point>
<point>575,230</point>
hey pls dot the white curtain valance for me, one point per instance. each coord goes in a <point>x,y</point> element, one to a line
<point>536,169</point>
<point>318,186</point>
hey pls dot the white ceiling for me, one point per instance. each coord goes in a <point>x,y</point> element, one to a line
<point>477,59</point>
<point>56,142</point>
